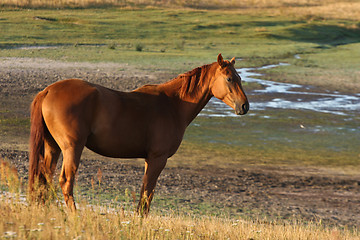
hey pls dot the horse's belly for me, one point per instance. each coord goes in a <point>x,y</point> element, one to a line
<point>117,148</point>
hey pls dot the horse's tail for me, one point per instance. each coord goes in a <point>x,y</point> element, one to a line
<point>37,136</point>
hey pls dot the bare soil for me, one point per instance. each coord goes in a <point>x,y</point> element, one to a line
<point>255,191</point>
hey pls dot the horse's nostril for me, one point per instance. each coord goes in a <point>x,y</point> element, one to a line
<point>245,107</point>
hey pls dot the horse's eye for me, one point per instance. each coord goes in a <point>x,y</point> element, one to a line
<point>229,79</point>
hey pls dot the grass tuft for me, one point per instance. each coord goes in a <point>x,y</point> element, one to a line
<point>112,46</point>
<point>9,178</point>
<point>139,47</point>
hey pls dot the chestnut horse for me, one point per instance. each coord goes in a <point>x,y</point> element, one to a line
<point>148,122</point>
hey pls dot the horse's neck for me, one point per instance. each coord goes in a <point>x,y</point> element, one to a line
<point>189,110</point>
<point>189,105</point>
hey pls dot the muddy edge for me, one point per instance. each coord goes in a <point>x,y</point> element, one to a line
<point>282,193</point>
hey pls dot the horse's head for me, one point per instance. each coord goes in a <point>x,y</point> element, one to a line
<point>226,86</point>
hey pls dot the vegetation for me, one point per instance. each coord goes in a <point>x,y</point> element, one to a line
<point>176,40</point>
<point>93,222</point>
<point>328,8</point>
<point>173,37</point>
<point>24,220</point>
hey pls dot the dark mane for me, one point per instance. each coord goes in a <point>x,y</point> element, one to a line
<point>191,80</point>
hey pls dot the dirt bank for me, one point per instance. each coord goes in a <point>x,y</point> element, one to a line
<point>22,78</point>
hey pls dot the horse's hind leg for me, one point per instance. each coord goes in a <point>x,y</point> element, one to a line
<point>48,166</point>
<point>71,160</point>
<point>51,156</point>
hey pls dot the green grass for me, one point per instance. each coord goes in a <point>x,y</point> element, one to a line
<point>14,126</point>
<point>169,38</point>
<point>333,68</point>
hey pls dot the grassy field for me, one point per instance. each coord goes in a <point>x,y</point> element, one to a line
<point>26,220</point>
<point>176,36</point>
<point>176,40</point>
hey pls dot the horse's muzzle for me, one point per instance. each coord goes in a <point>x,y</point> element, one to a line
<point>241,109</point>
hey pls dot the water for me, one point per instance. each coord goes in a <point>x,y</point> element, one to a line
<point>278,95</point>
<point>285,115</point>
<point>36,47</point>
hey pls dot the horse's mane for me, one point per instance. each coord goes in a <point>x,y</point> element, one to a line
<point>191,80</point>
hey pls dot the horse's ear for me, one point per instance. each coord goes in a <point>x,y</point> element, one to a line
<point>220,60</point>
<point>232,61</point>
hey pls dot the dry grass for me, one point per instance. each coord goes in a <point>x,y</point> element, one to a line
<point>346,9</point>
<point>9,177</point>
<point>37,222</point>
<point>22,220</point>
<point>326,10</point>
<point>199,3</point>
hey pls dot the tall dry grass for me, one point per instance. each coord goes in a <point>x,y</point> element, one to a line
<point>37,222</point>
<point>23,220</point>
<point>204,3</point>
<point>328,10</point>
<point>9,177</point>
<point>345,9</point>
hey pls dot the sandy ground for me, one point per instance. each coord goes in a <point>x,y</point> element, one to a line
<point>285,193</point>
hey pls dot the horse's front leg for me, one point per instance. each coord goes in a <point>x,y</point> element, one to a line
<point>153,168</point>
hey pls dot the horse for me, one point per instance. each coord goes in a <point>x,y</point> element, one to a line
<point>148,123</point>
